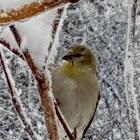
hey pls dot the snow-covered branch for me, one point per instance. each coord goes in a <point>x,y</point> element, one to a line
<point>15,100</point>
<point>129,70</point>
<point>27,10</point>
<point>47,104</point>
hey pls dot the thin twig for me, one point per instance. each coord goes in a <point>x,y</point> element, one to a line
<point>64,124</point>
<point>55,26</point>
<point>129,70</point>
<point>16,34</point>
<point>16,102</point>
<point>15,51</point>
<point>54,32</point>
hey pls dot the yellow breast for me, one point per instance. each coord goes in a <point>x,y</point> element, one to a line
<point>69,70</point>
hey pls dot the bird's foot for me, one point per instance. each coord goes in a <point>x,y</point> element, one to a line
<point>57,103</point>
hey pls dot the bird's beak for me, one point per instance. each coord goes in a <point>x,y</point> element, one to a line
<point>67,57</point>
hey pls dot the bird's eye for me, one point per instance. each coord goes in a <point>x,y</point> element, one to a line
<point>83,49</point>
<point>78,55</point>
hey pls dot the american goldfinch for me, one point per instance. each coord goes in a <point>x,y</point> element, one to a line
<point>75,87</point>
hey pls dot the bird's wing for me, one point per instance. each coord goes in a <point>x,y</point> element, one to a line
<point>64,92</point>
<point>93,114</point>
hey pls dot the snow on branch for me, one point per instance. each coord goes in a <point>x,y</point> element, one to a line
<point>28,10</point>
<point>129,70</point>
<point>48,104</point>
<point>15,101</point>
<point>55,29</point>
<point>7,45</point>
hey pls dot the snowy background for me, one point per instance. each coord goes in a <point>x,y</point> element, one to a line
<point>101,25</point>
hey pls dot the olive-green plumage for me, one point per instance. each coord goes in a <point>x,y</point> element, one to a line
<point>75,87</point>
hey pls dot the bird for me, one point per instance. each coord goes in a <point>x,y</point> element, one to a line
<point>75,87</point>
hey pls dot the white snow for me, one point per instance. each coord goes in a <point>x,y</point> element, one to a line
<point>129,70</point>
<point>8,36</point>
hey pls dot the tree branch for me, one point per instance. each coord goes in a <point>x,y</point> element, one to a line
<point>43,89</point>
<point>16,102</point>
<point>47,104</point>
<point>7,45</point>
<point>29,10</point>
<point>129,70</point>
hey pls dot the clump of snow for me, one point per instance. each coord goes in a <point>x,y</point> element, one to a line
<point>36,35</point>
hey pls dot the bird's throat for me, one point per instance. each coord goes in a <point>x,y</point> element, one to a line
<point>69,69</point>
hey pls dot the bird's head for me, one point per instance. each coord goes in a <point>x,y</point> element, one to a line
<point>81,58</point>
